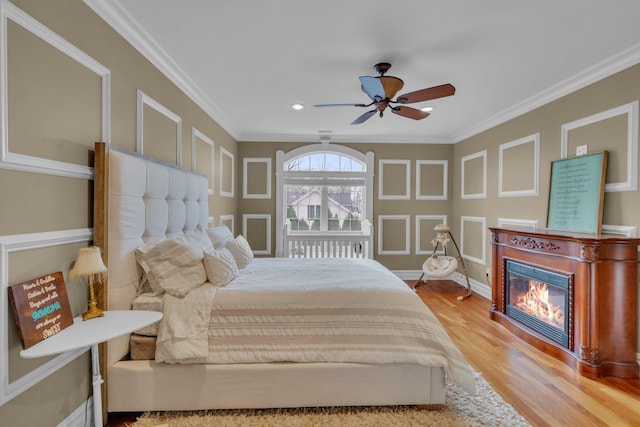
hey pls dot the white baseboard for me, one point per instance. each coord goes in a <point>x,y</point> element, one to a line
<point>81,417</point>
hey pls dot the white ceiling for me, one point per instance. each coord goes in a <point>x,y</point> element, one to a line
<point>245,62</point>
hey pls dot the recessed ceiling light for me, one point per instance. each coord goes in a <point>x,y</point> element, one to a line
<point>427,109</point>
<point>297,106</point>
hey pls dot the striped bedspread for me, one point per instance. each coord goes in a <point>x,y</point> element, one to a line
<point>308,310</point>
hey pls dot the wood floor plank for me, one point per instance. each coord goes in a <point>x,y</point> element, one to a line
<point>543,389</point>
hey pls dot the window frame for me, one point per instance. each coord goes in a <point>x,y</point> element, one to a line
<point>325,179</point>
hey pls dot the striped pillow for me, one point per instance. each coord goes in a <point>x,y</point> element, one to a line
<point>241,251</point>
<point>172,266</point>
<point>221,267</point>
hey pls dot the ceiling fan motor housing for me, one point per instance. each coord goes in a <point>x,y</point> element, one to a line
<point>382,67</point>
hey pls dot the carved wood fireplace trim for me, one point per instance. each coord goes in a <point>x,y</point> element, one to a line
<point>603,270</point>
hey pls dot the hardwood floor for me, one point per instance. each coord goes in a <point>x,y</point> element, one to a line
<point>544,390</point>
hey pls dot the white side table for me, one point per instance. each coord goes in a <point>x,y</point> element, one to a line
<point>90,333</point>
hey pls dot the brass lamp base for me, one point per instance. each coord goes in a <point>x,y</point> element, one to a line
<point>93,310</point>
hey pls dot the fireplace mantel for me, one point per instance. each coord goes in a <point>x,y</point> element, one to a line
<point>603,270</point>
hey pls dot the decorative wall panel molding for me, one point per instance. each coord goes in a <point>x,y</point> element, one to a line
<point>382,219</point>
<point>503,177</point>
<point>513,222</point>
<point>227,174</point>
<point>445,180</point>
<point>622,230</point>
<point>246,177</point>
<point>17,243</point>
<point>482,177</point>
<point>195,136</point>
<point>481,225</point>
<point>144,99</point>
<point>631,111</point>
<point>27,163</point>
<point>402,194</point>
<point>245,228</point>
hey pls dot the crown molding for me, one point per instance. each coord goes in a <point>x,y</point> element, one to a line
<point>355,139</point>
<point>599,71</point>
<point>132,32</point>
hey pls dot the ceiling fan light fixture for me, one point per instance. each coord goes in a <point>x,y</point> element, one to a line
<point>297,106</point>
<point>382,89</point>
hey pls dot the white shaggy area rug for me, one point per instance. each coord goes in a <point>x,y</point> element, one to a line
<point>486,408</point>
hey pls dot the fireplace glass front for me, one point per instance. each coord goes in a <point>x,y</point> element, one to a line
<point>539,299</point>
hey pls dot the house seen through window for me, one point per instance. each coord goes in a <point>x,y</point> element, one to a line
<point>324,192</point>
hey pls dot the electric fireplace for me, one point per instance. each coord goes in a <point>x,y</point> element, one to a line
<point>571,295</point>
<point>539,299</point>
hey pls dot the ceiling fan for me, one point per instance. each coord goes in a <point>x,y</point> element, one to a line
<point>382,89</point>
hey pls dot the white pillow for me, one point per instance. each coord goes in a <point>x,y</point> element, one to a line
<point>241,251</point>
<point>173,265</point>
<point>201,237</point>
<point>221,266</point>
<point>219,236</point>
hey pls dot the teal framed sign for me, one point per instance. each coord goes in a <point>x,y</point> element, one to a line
<point>576,193</point>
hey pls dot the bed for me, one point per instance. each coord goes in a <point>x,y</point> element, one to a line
<point>240,359</point>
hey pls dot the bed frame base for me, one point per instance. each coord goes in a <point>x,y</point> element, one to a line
<point>149,386</point>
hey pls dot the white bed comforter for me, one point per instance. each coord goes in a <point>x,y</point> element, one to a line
<point>308,310</point>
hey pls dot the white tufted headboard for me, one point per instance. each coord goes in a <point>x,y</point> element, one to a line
<point>139,200</point>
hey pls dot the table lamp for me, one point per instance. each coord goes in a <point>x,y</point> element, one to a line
<point>89,264</point>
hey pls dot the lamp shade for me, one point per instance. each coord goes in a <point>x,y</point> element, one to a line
<point>88,263</point>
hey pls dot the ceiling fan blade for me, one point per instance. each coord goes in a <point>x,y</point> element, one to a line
<point>391,85</point>
<point>409,112</point>
<point>363,118</point>
<point>372,87</point>
<point>427,94</point>
<point>339,105</point>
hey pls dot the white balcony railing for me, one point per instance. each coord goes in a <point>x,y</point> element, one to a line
<point>314,244</point>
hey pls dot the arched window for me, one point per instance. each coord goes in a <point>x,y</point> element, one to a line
<point>323,189</point>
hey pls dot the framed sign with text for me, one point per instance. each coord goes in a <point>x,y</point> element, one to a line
<point>40,307</point>
<point>576,193</point>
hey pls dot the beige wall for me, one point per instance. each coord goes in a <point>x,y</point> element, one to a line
<point>54,114</point>
<point>394,184</point>
<point>620,208</point>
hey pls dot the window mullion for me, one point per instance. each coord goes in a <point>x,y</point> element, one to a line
<point>324,210</point>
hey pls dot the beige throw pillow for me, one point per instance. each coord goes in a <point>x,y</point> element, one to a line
<point>221,266</point>
<point>241,251</point>
<point>173,265</point>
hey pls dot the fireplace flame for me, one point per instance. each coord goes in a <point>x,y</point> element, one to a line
<point>535,302</point>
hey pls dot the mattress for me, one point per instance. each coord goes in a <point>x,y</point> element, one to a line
<point>307,311</point>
